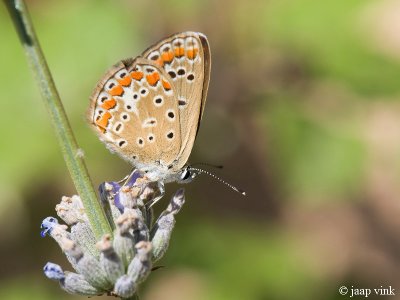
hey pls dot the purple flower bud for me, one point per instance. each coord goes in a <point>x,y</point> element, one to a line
<point>53,271</point>
<point>48,225</point>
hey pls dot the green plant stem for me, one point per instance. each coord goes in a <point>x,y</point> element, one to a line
<point>66,139</point>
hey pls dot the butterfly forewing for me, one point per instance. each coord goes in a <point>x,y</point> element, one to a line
<point>135,113</point>
<point>185,57</point>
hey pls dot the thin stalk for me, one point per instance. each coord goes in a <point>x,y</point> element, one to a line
<point>69,147</point>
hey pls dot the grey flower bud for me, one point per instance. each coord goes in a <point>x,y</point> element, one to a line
<point>109,260</point>
<point>124,241</point>
<point>128,196</point>
<point>77,284</point>
<point>71,282</point>
<point>162,235</point>
<point>162,230</point>
<point>108,193</point>
<point>60,232</point>
<point>140,229</point>
<point>125,287</point>
<point>140,267</point>
<point>88,266</point>
<point>71,210</point>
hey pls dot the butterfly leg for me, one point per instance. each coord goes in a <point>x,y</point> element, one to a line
<point>123,180</point>
<point>148,209</point>
<point>157,198</point>
<point>130,179</point>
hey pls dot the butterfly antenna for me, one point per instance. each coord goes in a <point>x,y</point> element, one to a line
<point>208,165</point>
<point>219,179</point>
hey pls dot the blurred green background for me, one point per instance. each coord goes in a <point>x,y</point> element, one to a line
<point>303,111</point>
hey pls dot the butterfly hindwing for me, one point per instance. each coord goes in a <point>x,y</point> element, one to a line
<point>135,113</point>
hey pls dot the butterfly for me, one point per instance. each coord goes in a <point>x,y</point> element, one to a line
<point>148,109</point>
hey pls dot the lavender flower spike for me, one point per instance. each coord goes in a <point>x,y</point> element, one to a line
<point>117,264</point>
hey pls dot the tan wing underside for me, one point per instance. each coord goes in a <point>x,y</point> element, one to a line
<point>189,52</point>
<point>126,114</point>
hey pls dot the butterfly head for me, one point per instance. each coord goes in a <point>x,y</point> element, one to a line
<point>186,175</point>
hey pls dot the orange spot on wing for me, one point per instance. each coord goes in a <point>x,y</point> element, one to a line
<point>166,85</point>
<point>179,51</point>
<point>103,121</point>
<point>192,53</point>
<point>116,90</point>
<point>125,81</point>
<point>109,104</point>
<point>167,56</point>
<point>153,78</point>
<point>137,75</point>
<point>159,62</point>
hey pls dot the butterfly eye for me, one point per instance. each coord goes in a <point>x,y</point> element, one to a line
<point>185,175</point>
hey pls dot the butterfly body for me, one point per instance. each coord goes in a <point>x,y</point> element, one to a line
<point>148,109</point>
